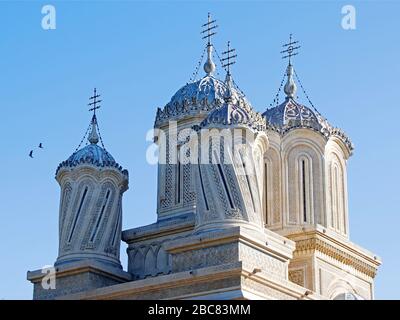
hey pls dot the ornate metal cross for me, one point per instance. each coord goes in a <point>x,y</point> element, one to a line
<point>94,102</point>
<point>230,54</point>
<point>209,28</point>
<point>291,47</point>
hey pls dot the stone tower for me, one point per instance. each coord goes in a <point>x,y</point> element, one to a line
<point>305,199</point>
<point>306,163</point>
<point>92,185</point>
<point>90,220</point>
<point>222,231</point>
<point>228,186</point>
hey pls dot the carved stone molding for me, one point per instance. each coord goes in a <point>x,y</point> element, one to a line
<point>315,243</point>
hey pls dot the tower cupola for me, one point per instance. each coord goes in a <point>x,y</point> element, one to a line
<point>92,184</point>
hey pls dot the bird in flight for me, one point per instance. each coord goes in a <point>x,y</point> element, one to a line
<point>31,154</point>
<point>40,145</point>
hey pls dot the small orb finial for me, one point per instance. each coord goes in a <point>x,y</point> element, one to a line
<point>209,29</point>
<point>290,86</point>
<point>93,136</point>
<point>209,66</point>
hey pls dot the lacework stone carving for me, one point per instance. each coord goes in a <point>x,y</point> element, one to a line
<point>297,276</point>
<point>87,242</point>
<point>68,245</point>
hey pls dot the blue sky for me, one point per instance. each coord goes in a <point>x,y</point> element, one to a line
<point>138,54</point>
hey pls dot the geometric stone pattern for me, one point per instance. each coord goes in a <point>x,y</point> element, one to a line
<point>297,276</point>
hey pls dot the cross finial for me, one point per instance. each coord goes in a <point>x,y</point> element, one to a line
<point>290,49</point>
<point>209,28</point>
<point>94,104</point>
<point>229,54</point>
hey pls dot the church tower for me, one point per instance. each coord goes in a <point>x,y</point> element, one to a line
<point>92,185</point>
<point>249,206</point>
<point>275,204</point>
<point>90,217</point>
<point>305,195</point>
<point>231,142</point>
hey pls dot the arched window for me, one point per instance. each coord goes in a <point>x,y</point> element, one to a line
<point>338,215</point>
<point>304,187</point>
<point>178,177</point>
<point>266,190</point>
<point>272,187</point>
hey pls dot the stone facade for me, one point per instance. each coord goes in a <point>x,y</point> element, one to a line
<point>270,223</point>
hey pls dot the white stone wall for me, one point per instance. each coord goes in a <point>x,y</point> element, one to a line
<point>336,157</point>
<point>305,181</point>
<point>176,190</point>
<point>90,213</point>
<point>230,190</point>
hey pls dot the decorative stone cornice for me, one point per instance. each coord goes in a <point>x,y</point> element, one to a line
<point>74,173</point>
<point>184,223</point>
<point>80,267</point>
<point>267,242</point>
<point>326,132</point>
<point>208,281</point>
<point>196,98</point>
<point>347,254</point>
<point>95,163</point>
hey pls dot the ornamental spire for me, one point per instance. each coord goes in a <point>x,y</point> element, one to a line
<point>230,55</point>
<point>93,137</point>
<point>228,60</point>
<point>290,48</point>
<point>209,29</point>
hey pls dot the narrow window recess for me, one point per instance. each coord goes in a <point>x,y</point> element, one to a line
<point>117,223</point>
<point>202,188</point>
<point>221,174</point>
<point>248,182</point>
<point>77,214</point>
<point>303,172</point>
<point>337,199</point>
<point>178,178</point>
<point>266,191</point>
<point>99,218</point>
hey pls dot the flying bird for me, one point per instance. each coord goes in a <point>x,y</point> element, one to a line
<point>31,154</point>
<point>40,146</point>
